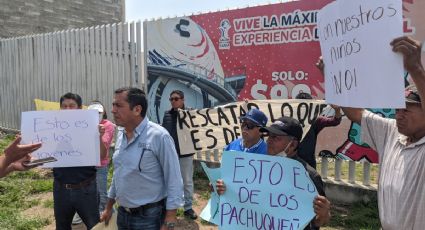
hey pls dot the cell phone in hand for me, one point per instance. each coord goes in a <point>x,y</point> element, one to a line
<point>39,162</point>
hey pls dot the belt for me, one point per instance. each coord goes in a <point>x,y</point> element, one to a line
<point>143,207</point>
<point>82,184</point>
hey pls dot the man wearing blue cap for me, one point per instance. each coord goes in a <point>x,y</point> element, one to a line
<point>251,140</point>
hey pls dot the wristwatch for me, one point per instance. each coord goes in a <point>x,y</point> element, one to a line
<point>170,225</point>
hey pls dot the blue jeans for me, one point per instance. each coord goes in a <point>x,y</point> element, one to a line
<point>186,169</point>
<point>102,181</point>
<point>148,219</point>
<point>83,200</point>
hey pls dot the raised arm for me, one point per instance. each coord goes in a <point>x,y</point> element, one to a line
<point>354,114</point>
<point>411,51</point>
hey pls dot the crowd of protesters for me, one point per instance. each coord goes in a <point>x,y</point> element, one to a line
<point>152,178</point>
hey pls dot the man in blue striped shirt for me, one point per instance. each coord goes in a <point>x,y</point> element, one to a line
<point>147,182</point>
<point>251,140</point>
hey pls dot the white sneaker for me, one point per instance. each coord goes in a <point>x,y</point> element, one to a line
<point>76,219</point>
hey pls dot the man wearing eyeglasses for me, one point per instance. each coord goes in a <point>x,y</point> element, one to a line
<point>169,122</point>
<point>251,140</point>
<point>284,136</point>
<point>147,182</point>
<point>400,143</point>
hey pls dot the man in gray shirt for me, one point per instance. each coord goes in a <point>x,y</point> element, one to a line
<point>147,182</point>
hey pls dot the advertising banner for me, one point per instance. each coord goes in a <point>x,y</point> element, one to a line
<point>264,52</point>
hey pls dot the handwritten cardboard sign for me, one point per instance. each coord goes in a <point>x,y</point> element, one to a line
<point>71,136</point>
<point>361,70</point>
<point>214,128</point>
<point>264,192</point>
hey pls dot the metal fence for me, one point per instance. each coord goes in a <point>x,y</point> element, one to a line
<point>89,61</point>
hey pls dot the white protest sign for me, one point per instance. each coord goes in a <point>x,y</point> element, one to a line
<point>71,136</point>
<point>208,129</point>
<point>361,70</point>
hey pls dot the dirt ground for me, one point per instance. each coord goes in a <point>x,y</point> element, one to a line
<point>182,223</point>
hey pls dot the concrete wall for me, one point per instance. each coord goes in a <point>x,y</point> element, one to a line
<point>346,193</point>
<point>24,17</point>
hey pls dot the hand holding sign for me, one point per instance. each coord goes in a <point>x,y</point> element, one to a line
<point>321,65</point>
<point>322,208</point>
<point>411,50</point>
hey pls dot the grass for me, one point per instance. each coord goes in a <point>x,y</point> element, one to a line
<point>4,141</point>
<point>48,204</point>
<point>356,216</point>
<point>202,184</point>
<point>180,212</point>
<point>9,219</point>
<point>14,192</point>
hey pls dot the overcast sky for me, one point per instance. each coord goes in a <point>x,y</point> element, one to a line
<point>144,9</point>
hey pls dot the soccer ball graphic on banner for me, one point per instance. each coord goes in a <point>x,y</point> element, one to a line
<point>182,56</point>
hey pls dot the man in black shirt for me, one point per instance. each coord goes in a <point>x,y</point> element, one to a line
<point>74,188</point>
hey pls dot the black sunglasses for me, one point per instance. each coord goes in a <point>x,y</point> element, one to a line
<point>174,98</point>
<point>248,126</point>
